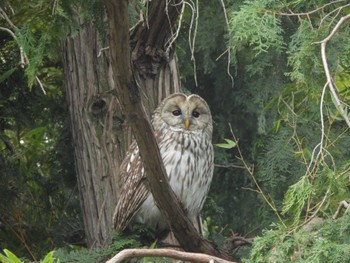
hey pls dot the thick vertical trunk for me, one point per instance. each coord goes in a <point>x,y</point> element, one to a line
<point>99,138</point>
<point>97,146</point>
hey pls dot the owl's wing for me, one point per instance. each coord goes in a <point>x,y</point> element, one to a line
<point>133,191</point>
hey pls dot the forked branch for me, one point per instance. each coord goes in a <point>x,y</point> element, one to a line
<point>330,82</point>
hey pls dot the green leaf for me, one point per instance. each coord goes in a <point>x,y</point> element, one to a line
<point>9,258</point>
<point>48,258</point>
<point>7,74</point>
<point>228,145</point>
<point>154,244</point>
<point>4,259</point>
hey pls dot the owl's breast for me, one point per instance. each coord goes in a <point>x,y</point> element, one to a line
<point>188,161</point>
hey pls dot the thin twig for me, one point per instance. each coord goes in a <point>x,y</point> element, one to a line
<point>40,84</point>
<point>230,165</point>
<point>320,144</point>
<point>171,40</point>
<point>24,58</point>
<point>101,50</point>
<point>338,10</point>
<point>8,20</point>
<point>229,48</point>
<point>310,12</point>
<point>250,170</point>
<point>8,31</point>
<point>192,33</point>
<point>342,205</point>
<point>330,82</point>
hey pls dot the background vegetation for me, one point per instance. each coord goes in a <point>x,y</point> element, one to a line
<point>259,66</point>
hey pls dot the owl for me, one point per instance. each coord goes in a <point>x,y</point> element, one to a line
<point>183,129</point>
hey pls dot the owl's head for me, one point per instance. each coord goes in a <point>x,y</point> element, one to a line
<point>184,113</point>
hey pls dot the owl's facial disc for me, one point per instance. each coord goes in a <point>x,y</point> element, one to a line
<point>186,113</point>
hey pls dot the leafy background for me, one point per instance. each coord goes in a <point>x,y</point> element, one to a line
<point>272,103</point>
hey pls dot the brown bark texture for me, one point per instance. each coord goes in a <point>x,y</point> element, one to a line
<point>100,133</point>
<point>151,40</point>
<point>95,127</point>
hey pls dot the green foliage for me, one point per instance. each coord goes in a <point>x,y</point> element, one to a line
<point>296,198</point>
<point>36,163</point>
<point>228,144</point>
<point>78,254</point>
<point>9,257</point>
<point>319,241</point>
<point>273,106</point>
<point>253,25</point>
<point>274,110</point>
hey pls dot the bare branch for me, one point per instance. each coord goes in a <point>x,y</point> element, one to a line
<point>8,20</point>
<point>24,58</point>
<point>171,41</point>
<point>8,31</point>
<point>342,205</point>
<point>337,10</point>
<point>170,253</point>
<point>310,12</point>
<point>192,33</point>
<point>230,165</point>
<point>40,84</point>
<point>250,171</point>
<point>229,48</point>
<point>320,144</point>
<point>333,88</point>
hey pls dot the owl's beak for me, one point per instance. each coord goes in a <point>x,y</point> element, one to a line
<point>187,124</point>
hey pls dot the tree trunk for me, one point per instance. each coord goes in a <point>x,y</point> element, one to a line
<point>150,47</point>
<point>99,132</point>
<point>97,146</point>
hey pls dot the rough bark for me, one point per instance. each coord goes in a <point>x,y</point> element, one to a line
<point>94,123</point>
<point>154,67</point>
<point>100,133</point>
<point>160,24</point>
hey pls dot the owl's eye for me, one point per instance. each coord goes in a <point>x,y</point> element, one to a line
<point>195,114</point>
<point>177,112</point>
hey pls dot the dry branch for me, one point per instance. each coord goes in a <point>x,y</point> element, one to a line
<point>170,253</point>
<point>342,205</point>
<point>330,82</point>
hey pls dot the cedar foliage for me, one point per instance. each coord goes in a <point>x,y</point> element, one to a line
<point>273,106</point>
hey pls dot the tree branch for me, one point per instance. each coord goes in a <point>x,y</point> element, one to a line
<point>24,58</point>
<point>170,253</point>
<point>131,105</point>
<point>342,205</point>
<point>330,82</point>
<point>310,12</point>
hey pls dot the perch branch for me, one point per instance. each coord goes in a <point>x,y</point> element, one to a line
<point>130,102</point>
<point>170,253</point>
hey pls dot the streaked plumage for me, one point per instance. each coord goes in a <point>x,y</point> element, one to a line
<point>183,129</point>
